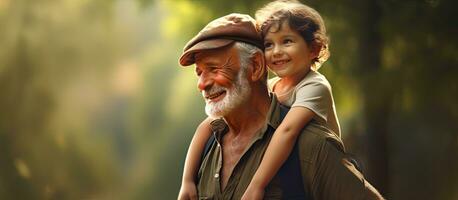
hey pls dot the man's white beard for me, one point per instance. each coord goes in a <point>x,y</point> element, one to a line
<point>234,96</point>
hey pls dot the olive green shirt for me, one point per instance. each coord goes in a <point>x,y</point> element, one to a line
<point>325,171</point>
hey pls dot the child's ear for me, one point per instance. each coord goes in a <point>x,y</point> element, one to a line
<point>259,68</point>
<point>315,50</point>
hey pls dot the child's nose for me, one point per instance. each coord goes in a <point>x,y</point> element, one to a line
<point>277,50</point>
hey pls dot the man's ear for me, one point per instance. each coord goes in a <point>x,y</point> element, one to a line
<point>258,69</point>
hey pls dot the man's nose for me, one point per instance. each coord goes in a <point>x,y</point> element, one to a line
<point>204,82</point>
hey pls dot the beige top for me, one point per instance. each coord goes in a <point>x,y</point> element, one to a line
<point>313,92</point>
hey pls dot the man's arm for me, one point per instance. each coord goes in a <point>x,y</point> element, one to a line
<point>329,174</point>
<point>192,162</point>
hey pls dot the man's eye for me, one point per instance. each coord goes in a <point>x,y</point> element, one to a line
<point>212,68</point>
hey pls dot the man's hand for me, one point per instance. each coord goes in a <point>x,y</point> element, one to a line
<point>253,193</point>
<point>188,191</point>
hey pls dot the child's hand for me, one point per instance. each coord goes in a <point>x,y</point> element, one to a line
<point>253,193</point>
<point>188,191</point>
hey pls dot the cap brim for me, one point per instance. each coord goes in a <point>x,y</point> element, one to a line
<point>188,57</point>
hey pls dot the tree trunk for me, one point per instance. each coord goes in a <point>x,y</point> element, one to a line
<point>376,96</point>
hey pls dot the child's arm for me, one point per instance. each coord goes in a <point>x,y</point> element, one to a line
<point>278,150</point>
<point>193,159</point>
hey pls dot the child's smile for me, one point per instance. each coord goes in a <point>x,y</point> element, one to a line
<point>287,54</point>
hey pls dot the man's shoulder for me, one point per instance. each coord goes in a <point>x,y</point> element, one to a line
<point>313,138</point>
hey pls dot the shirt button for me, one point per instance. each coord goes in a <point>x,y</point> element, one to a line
<point>216,175</point>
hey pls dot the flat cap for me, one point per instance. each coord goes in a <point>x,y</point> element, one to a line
<point>220,33</point>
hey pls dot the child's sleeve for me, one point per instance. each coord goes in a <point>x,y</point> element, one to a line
<point>316,96</point>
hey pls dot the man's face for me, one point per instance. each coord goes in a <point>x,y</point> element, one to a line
<point>222,80</point>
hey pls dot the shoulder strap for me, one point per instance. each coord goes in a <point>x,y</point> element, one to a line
<point>209,144</point>
<point>283,111</point>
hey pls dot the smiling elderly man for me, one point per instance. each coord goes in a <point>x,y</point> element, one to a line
<point>232,77</point>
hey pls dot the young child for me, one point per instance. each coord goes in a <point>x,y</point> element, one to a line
<point>295,47</point>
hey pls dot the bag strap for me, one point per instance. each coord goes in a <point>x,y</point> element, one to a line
<point>209,144</point>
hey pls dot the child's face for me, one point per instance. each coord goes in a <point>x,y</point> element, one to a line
<point>287,54</point>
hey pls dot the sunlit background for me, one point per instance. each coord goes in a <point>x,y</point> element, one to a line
<point>95,106</point>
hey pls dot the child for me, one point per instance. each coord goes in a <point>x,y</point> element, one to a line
<point>295,47</point>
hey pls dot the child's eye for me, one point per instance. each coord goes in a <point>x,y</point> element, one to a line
<point>287,41</point>
<point>267,45</point>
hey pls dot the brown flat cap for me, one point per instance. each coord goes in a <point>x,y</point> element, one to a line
<point>220,33</point>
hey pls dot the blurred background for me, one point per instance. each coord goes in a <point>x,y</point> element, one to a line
<point>94,104</point>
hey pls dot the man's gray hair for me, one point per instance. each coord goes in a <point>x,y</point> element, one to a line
<point>246,52</point>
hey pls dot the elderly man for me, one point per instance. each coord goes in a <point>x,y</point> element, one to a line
<point>232,77</point>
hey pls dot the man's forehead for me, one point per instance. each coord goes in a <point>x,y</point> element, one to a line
<point>215,55</point>
<point>206,56</point>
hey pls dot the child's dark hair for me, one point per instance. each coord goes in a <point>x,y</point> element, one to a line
<point>305,20</point>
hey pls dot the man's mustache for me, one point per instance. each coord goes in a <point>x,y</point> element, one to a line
<point>215,89</point>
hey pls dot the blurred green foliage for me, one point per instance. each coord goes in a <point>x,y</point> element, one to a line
<point>95,106</point>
